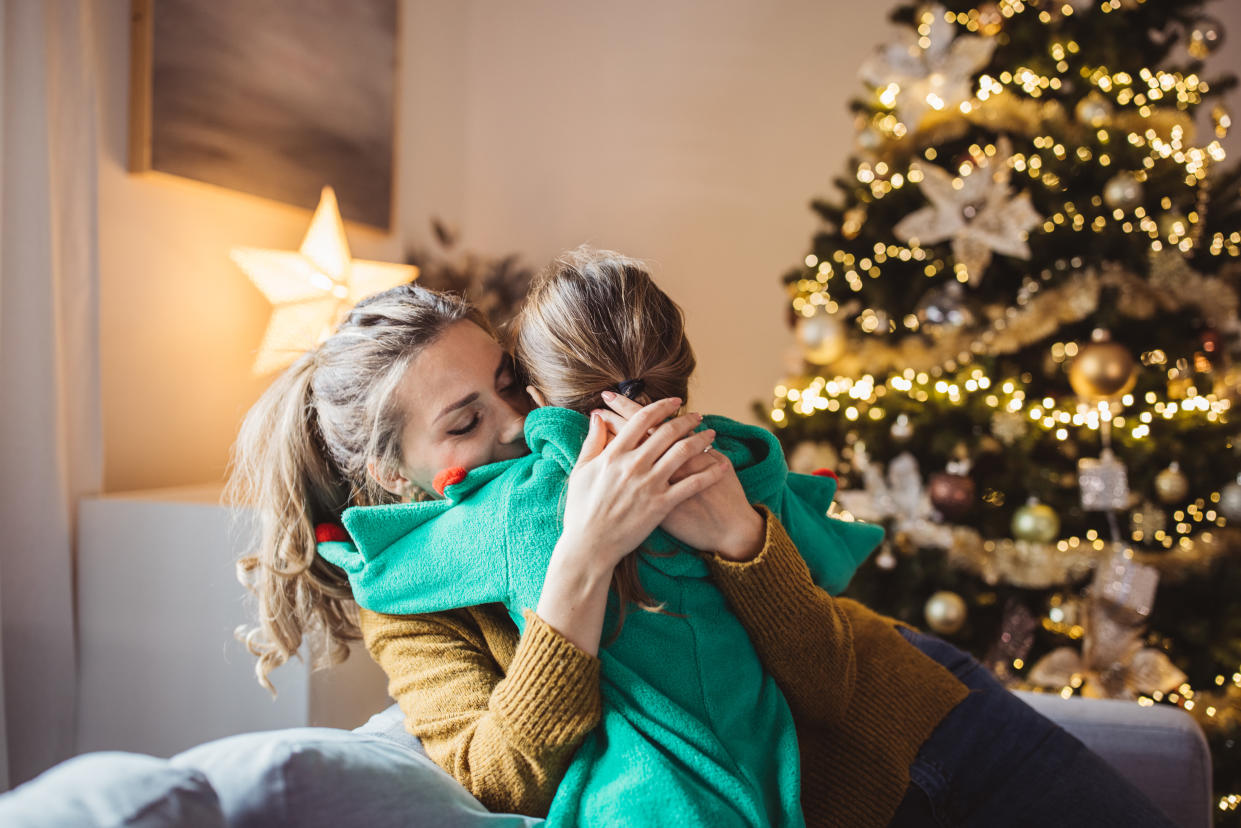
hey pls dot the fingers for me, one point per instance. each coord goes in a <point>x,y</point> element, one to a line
<point>596,440</point>
<point>681,453</point>
<point>695,464</point>
<point>663,438</point>
<point>698,481</point>
<point>611,419</point>
<point>650,416</point>
<point>621,404</point>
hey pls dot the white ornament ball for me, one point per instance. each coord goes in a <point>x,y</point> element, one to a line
<point>1230,500</point>
<point>902,429</point>
<point>822,337</point>
<point>945,612</point>
<point>1171,484</point>
<point>1094,110</point>
<point>1123,191</point>
<point>886,560</point>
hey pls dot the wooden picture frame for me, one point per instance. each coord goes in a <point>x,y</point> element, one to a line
<point>277,98</point>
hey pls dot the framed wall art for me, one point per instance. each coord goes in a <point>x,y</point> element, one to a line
<point>278,98</point>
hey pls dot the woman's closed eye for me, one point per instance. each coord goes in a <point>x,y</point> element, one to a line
<point>466,429</point>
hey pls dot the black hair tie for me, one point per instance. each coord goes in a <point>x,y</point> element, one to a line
<point>631,388</point>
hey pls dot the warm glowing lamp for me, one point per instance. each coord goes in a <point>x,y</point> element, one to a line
<point>313,287</point>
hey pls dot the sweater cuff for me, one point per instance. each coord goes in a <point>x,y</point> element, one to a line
<point>777,573</point>
<point>550,696</point>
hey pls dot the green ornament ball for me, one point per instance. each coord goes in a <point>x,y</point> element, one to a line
<point>1036,522</point>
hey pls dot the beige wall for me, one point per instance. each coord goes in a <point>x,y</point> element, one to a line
<point>179,323</point>
<point>689,134</point>
<point>693,134</point>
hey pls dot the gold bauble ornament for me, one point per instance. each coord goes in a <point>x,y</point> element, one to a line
<point>945,612</point>
<point>1036,522</point>
<point>1102,369</point>
<point>1171,484</point>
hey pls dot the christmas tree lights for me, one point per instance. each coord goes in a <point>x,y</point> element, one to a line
<point>1019,328</point>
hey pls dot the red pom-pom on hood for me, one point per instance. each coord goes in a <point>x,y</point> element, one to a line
<point>446,478</point>
<point>326,532</point>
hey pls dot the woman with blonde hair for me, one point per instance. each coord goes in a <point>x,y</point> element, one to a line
<point>874,705</point>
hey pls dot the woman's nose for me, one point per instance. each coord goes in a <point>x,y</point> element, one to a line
<point>514,426</point>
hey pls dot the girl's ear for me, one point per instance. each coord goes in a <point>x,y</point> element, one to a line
<point>393,482</point>
<point>535,394</point>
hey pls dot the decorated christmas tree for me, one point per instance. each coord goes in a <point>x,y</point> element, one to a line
<point>1017,329</point>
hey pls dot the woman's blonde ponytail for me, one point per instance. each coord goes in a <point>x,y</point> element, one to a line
<point>301,459</point>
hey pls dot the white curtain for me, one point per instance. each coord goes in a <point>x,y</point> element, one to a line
<point>50,435</point>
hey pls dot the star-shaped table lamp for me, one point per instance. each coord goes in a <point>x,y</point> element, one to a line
<point>313,287</point>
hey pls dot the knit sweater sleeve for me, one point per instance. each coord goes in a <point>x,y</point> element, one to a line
<point>507,738</point>
<point>802,634</point>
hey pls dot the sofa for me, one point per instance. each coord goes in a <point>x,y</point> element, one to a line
<point>378,776</point>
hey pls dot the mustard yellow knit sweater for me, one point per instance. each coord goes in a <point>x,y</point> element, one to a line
<point>503,714</point>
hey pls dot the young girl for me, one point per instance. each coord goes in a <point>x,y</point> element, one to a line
<point>684,690</point>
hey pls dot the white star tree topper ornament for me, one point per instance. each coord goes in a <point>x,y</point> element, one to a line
<point>975,210</point>
<point>933,72</point>
<point>313,287</point>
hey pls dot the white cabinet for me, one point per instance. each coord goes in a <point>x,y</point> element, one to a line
<point>158,601</point>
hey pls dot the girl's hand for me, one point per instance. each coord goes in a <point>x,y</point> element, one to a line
<point>719,518</point>
<point>620,491</point>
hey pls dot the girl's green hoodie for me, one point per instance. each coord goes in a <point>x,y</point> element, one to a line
<point>693,731</point>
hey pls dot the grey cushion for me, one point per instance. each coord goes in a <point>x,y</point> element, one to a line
<point>112,788</point>
<point>310,777</point>
<point>1160,749</point>
<point>389,724</point>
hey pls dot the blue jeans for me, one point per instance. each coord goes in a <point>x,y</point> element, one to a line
<point>994,761</point>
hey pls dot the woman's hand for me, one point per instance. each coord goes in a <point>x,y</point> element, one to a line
<point>618,493</point>
<point>719,518</point>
